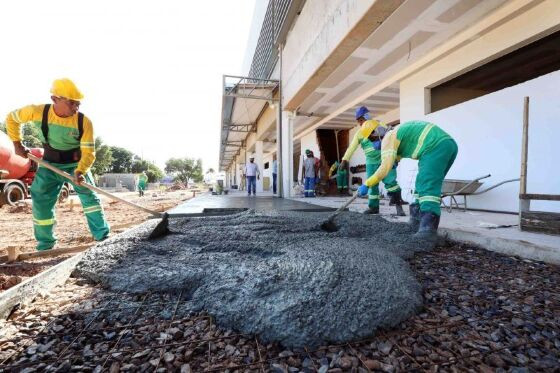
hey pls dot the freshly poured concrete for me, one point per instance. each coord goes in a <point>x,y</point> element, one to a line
<point>273,274</point>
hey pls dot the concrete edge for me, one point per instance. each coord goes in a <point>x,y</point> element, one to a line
<point>25,292</point>
<point>505,246</point>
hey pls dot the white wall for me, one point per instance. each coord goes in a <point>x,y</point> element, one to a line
<point>488,131</point>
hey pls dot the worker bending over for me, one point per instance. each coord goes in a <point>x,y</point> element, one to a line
<point>68,141</point>
<point>436,152</point>
<point>369,137</point>
<point>341,177</point>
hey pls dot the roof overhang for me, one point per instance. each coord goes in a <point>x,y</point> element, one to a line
<point>243,102</point>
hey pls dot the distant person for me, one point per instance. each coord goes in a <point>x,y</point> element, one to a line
<point>142,181</point>
<point>309,172</point>
<point>67,137</point>
<point>341,177</point>
<point>274,174</point>
<point>253,174</point>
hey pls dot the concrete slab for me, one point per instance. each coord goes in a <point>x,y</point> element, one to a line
<point>208,203</point>
<point>492,231</point>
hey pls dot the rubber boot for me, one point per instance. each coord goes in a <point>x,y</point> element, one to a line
<point>414,221</point>
<point>429,223</point>
<point>372,211</point>
<point>396,200</point>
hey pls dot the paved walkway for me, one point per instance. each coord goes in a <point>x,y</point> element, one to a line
<point>208,203</point>
<point>493,231</point>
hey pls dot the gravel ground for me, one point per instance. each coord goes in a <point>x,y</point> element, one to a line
<point>482,312</point>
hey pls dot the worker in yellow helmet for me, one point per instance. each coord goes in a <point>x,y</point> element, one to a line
<point>68,141</point>
<point>369,137</point>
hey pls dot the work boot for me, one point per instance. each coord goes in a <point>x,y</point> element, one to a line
<point>414,221</point>
<point>372,210</point>
<point>396,199</point>
<point>429,223</point>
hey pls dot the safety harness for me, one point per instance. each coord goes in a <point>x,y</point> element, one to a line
<point>60,156</point>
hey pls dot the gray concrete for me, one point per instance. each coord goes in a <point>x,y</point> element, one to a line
<point>272,273</point>
<point>497,232</point>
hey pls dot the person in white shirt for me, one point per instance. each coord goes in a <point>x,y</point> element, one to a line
<point>252,172</point>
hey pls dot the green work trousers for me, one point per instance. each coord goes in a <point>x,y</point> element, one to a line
<point>432,168</point>
<point>341,179</point>
<point>390,182</point>
<point>44,194</point>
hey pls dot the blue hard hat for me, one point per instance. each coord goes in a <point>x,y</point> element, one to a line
<point>362,111</point>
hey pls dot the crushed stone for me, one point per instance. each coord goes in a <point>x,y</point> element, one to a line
<point>272,274</point>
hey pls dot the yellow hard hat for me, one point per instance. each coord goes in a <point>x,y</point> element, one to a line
<point>67,89</point>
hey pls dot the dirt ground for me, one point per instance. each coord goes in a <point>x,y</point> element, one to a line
<point>16,228</point>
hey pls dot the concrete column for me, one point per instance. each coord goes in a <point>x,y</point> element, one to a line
<point>259,161</point>
<point>287,154</point>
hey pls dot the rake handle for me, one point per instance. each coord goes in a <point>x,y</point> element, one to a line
<point>92,187</point>
<point>341,208</point>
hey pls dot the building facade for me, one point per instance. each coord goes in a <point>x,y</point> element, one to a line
<point>465,65</point>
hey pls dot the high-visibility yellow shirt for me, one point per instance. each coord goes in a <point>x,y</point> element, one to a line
<point>389,147</point>
<point>408,140</point>
<point>365,130</point>
<point>63,132</point>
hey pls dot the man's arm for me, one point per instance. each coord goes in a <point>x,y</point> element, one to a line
<point>14,121</point>
<point>389,147</point>
<point>87,147</point>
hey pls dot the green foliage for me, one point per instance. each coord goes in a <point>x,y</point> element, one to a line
<point>30,135</point>
<point>153,172</point>
<point>185,169</point>
<point>103,158</point>
<point>122,160</point>
<point>210,171</point>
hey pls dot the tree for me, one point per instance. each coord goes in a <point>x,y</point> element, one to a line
<point>153,172</point>
<point>30,135</point>
<point>185,169</point>
<point>122,160</point>
<point>103,158</point>
<point>210,171</point>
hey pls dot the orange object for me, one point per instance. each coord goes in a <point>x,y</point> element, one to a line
<point>16,166</point>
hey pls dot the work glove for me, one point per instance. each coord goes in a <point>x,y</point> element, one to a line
<point>343,165</point>
<point>377,144</point>
<point>20,149</point>
<point>79,177</point>
<point>363,190</point>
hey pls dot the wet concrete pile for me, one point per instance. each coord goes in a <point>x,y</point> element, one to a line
<point>275,274</point>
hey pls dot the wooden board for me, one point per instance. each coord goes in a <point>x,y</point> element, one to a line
<point>540,197</point>
<point>542,222</point>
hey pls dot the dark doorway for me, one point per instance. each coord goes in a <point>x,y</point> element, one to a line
<point>327,141</point>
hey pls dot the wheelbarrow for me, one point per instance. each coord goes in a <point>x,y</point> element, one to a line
<point>452,188</point>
